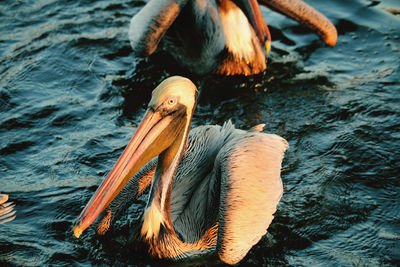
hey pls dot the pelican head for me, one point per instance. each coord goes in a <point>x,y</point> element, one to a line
<point>163,131</point>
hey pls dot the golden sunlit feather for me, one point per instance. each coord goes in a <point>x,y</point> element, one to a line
<point>152,220</point>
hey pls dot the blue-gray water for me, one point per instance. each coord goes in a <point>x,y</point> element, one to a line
<point>72,94</point>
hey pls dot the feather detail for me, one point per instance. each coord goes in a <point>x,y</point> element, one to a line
<point>152,220</point>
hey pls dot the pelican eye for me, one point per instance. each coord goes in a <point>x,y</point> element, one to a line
<point>171,101</point>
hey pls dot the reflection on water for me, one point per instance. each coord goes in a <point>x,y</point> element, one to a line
<point>72,94</point>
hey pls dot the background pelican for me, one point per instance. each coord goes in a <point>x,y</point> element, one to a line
<point>227,37</point>
<point>7,212</point>
<point>215,189</point>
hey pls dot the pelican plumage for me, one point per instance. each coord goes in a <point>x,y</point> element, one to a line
<point>226,37</point>
<point>214,189</point>
<point>7,212</point>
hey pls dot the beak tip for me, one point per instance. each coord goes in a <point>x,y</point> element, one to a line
<point>77,231</point>
<point>331,42</point>
<point>268,46</point>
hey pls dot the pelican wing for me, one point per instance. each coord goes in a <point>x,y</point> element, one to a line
<point>7,212</point>
<point>148,27</point>
<point>251,188</point>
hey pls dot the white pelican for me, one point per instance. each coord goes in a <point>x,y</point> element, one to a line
<point>226,37</point>
<point>214,189</point>
<point>7,212</point>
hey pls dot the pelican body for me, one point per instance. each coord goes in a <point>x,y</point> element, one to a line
<point>226,37</point>
<point>213,190</point>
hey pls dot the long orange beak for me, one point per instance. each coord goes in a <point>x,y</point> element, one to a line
<point>253,12</point>
<point>144,146</point>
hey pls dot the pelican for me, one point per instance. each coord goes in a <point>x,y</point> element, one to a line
<point>7,212</point>
<point>213,190</point>
<point>226,37</point>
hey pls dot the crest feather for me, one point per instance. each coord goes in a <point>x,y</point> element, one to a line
<point>174,86</point>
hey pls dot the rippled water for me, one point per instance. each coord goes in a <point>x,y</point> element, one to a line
<point>72,94</point>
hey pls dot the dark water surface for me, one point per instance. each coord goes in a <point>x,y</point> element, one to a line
<point>72,94</point>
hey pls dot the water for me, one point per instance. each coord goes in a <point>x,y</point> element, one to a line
<point>72,94</point>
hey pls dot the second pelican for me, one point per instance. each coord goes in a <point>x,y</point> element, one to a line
<point>214,189</point>
<point>226,37</point>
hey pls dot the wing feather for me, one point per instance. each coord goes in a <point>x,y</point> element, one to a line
<point>149,26</point>
<point>251,188</point>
